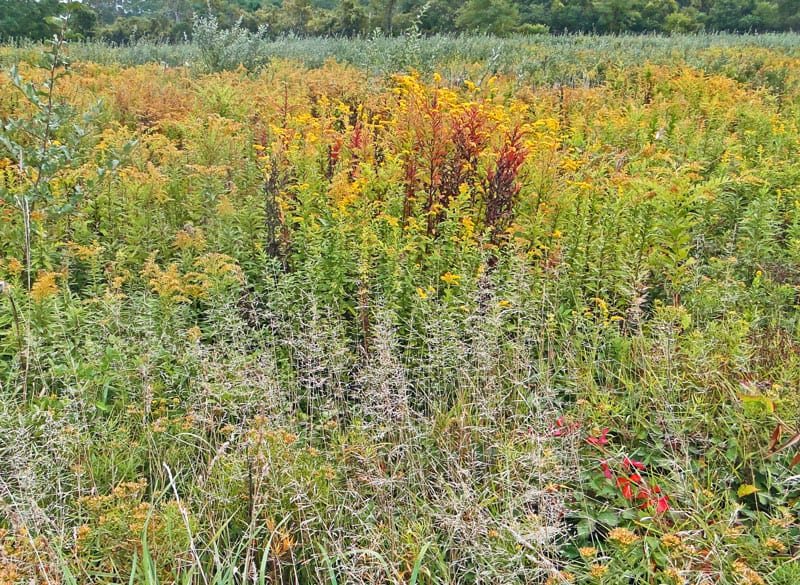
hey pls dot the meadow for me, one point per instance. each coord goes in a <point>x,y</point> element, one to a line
<point>410,311</point>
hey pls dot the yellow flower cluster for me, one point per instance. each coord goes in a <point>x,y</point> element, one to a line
<point>451,279</point>
<point>598,571</point>
<point>170,284</point>
<point>670,540</point>
<point>560,578</point>
<point>45,286</point>
<point>190,238</point>
<point>623,536</point>
<point>747,576</point>
<point>176,287</point>
<point>86,252</point>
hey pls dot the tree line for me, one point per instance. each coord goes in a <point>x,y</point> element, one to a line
<point>123,21</point>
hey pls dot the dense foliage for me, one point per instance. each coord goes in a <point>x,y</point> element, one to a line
<point>126,21</point>
<point>296,324</point>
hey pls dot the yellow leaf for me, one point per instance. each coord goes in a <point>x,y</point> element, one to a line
<point>755,405</point>
<point>746,489</point>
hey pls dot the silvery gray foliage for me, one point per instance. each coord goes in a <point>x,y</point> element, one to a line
<point>383,377</point>
<point>225,49</point>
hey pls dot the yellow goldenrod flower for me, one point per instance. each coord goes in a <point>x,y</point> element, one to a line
<point>14,267</point>
<point>45,286</point>
<point>623,536</point>
<point>597,571</point>
<point>748,576</point>
<point>670,540</point>
<point>225,207</point>
<point>82,532</point>
<point>775,544</point>
<point>194,334</point>
<point>450,278</point>
<point>562,577</point>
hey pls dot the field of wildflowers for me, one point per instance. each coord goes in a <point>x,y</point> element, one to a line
<point>321,324</point>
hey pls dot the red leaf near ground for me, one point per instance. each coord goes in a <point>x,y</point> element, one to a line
<point>606,469</point>
<point>601,440</point>
<point>561,429</point>
<point>627,491</point>
<point>627,463</point>
<point>790,443</point>
<point>625,486</point>
<point>776,437</point>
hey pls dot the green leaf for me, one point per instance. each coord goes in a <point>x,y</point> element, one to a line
<point>608,518</point>
<point>584,528</point>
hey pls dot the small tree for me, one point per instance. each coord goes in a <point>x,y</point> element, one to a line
<point>731,15</point>
<point>498,17</point>
<point>82,21</point>
<point>656,12</point>
<point>686,21</point>
<point>349,19</point>
<point>618,16</point>
<point>28,19</point>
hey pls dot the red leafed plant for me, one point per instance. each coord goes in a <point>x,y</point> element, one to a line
<point>628,478</point>
<point>633,487</point>
<point>502,186</point>
<point>562,428</point>
<point>601,440</point>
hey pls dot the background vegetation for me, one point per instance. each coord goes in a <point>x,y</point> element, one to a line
<point>519,311</point>
<point>126,21</point>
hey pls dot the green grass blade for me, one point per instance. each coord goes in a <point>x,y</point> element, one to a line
<point>418,563</point>
<point>329,565</point>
